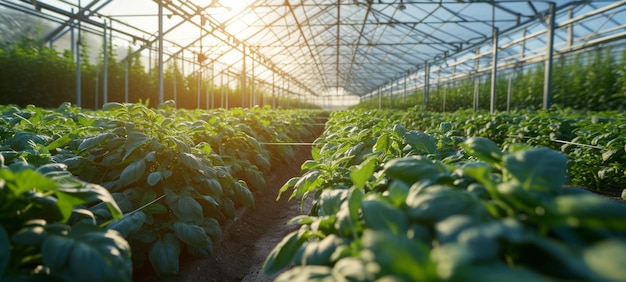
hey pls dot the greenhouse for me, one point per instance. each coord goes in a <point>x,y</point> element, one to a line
<point>310,140</point>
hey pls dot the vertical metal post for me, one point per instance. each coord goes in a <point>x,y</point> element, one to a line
<point>252,88</point>
<point>78,43</point>
<point>476,94</point>
<point>288,94</point>
<point>570,28</point>
<point>222,88</point>
<point>126,66</point>
<point>213,85</point>
<point>509,93</point>
<point>445,89</point>
<point>404,94</point>
<point>105,68</point>
<point>174,81</point>
<point>72,45</point>
<point>227,90</point>
<point>97,89</point>
<point>494,71</point>
<point>380,98</point>
<point>547,81</point>
<point>426,84</point>
<point>160,55</point>
<point>273,90</point>
<point>476,81</point>
<point>199,90</point>
<point>243,77</point>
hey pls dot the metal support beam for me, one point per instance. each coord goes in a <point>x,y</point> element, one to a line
<point>547,81</point>
<point>494,72</point>
<point>160,56</point>
<point>243,77</point>
<point>78,68</point>
<point>105,67</point>
<point>426,84</point>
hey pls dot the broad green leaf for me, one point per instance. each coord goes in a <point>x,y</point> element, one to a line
<point>60,142</point>
<point>243,194</point>
<point>51,167</point>
<point>396,193</point>
<point>382,143</point>
<point>290,183</point>
<point>330,201</point>
<point>607,259</point>
<point>112,106</point>
<point>191,234</point>
<point>590,210</point>
<point>309,164</point>
<point>154,178</point>
<point>212,227</point>
<point>92,142</point>
<point>413,168</point>
<point>421,141</point>
<point>90,193</point>
<point>538,169</point>
<point>438,202</point>
<point>320,252</point>
<point>308,182</point>
<point>190,161</point>
<point>398,256</point>
<point>363,172</point>
<point>128,223</point>
<point>353,269</point>
<point>496,272</point>
<point>133,172</point>
<point>355,199</point>
<point>481,171</point>
<point>32,233</point>
<point>380,215</point>
<point>185,207</point>
<point>107,252</point>
<point>283,254</point>
<point>134,139</point>
<point>483,149</point>
<point>164,255</point>
<point>317,273</point>
<point>26,180</point>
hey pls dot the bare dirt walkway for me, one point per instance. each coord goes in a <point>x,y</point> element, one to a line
<point>247,240</point>
<point>245,243</point>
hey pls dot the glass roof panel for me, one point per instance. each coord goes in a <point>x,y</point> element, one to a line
<point>320,45</point>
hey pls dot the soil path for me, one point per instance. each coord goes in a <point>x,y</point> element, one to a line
<point>247,239</point>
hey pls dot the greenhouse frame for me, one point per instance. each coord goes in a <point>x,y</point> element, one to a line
<point>325,51</point>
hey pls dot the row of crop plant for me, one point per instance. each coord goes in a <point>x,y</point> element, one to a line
<point>595,80</point>
<point>82,190</point>
<point>592,140</point>
<point>33,73</point>
<point>394,203</point>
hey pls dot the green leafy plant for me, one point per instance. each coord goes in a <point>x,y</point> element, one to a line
<point>47,232</point>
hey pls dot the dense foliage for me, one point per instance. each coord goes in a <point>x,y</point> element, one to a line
<point>396,203</point>
<point>160,180</point>
<point>33,73</point>
<point>595,80</point>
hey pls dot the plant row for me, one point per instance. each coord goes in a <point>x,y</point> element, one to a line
<point>33,73</point>
<point>595,80</point>
<point>390,203</point>
<point>80,186</point>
